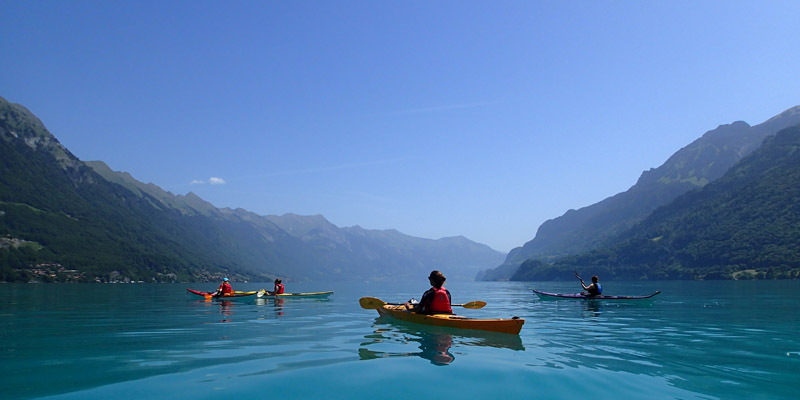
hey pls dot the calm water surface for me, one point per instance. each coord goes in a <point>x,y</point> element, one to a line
<point>696,340</point>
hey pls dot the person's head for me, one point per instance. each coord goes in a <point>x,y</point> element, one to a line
<point>436,278</point>
<point>225,279</point>
<point>277,281</point>
<point>594,279</point>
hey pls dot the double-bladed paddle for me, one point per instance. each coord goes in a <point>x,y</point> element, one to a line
<point>372,303</point>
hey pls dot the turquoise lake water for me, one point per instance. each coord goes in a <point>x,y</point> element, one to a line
<point>696,340</point>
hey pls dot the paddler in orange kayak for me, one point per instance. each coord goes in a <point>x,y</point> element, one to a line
<point>436,300</point>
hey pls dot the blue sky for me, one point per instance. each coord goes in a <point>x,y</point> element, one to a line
<point>442,118</point>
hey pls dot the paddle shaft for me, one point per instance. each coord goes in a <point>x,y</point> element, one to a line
<point>451,305</point>
<point>374,303</point>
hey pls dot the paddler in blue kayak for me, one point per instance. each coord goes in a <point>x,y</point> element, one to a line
<point>592,290</point>
<point>437,299</point>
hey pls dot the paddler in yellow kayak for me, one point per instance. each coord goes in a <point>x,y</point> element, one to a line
<point>277,289</point>
<point>436,300</point>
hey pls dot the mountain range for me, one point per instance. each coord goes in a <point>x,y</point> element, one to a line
<point>743,225</point>
<point>62,219</point>
<point>723,207</point>
<point>577,238</point>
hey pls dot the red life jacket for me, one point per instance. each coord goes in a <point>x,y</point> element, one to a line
<point>225,287</point>
<point>440,302</point>
<point>279,288</point>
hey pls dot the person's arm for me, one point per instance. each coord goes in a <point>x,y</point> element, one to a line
<point>425,301</point>
<point>592,289</point>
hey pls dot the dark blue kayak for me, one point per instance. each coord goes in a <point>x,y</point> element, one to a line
<point>579,296</point>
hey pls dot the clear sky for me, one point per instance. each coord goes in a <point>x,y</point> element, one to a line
<point>435,118</point>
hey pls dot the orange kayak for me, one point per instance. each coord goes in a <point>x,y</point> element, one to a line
<point>503,325</point>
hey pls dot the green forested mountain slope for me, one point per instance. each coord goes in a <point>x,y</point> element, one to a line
<point>743,225</point>
<point>58,211</point>
<point>703,161</point>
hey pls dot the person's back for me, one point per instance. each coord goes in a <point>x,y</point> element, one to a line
<point>437,299</point>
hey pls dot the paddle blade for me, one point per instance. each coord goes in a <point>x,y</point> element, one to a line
<point>260,294</point>
<point>371,303</point>
<point>473,304</point>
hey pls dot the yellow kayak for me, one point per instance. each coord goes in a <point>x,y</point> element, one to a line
<point>503,325</point>
<point>262,293</point>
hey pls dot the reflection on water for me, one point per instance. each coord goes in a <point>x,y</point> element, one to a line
<point>226,310</point>
<point>434,346</point>
<point>225,307</point>
<point>434,342</point>
<point>275,303</point>
<point>592,307</point>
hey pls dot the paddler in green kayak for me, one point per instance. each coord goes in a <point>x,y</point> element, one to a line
<point>436,300</point>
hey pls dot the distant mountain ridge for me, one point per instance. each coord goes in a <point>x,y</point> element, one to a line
<point>461,256</point>
<point>65,220</point>
<point>332,245</point>
<point>703,161</point>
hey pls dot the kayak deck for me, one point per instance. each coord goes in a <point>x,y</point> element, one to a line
<point>233,295</point>
<point>313,294</point>
<point>510,325</point>
<point>579,296</point>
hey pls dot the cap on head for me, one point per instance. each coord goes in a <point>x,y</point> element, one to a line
<point>225,279</point>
